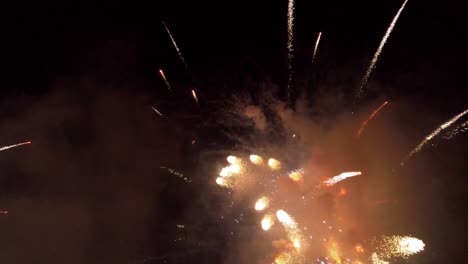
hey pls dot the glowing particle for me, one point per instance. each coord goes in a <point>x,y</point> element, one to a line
<point>262,203</point>
<point>267,222</point>
<point>274,164</point>
<point>255,159</point>
<point>296,175</point>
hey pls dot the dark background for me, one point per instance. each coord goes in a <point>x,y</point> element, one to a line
<point>78,77</point>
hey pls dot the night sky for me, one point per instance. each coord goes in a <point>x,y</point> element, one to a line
<point>78,79</point>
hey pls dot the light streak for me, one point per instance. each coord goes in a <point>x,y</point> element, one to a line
<point>194,95</point>
<point>176,173</point>
<point>176,47</point>
<point>15,145</point>
<point>364,124</point>
<point>316,46</point>
<point>379,50</point>
<point>156,110</point>
<point>433,134</point>
<point>165,79</point>
<point>342,176</point>
<point>290,42</point>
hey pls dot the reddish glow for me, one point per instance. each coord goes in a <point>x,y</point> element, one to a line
<point>342,192</point>
<point>5,212</point>
<point>364,124</point>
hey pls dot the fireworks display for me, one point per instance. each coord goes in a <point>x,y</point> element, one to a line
<point>271,164</point>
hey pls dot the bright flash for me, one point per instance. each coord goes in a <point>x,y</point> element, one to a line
<point>233,159</point>
<point>274,164</point>
<point>285,219</point>
<point>267,222</point>
<point>255,159</point>
<point>262,203</point>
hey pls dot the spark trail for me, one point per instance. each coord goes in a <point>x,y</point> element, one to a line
<point>364,124</point>
<point>156,110</point>
<point>379,50</point>
<point>165,79</point>
<point>175,46</point>
<point>341,177</point>
<point>316,46</point>
<point>290,42</point>
<point>433,134</point>
<point>195,97</point>
<point>15,145</point>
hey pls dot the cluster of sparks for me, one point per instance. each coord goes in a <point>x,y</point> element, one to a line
<point>399,246</point>
<point>232,176</point>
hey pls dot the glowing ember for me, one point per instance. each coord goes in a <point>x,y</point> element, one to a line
<point>267,222</point>
<point>255,159</point>
<point>274,164</point>
<point>262,203</point>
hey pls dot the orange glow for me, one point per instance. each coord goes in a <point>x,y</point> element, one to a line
<point>342,192</point>
<point>359,248</point>
<point>333,251</point>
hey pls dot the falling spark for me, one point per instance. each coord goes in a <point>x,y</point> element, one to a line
<point>267,222</point>
<point>400,246</point>
<point>274,164</point>
<point>433,134</point>
<point>290,41</point>
<point>316,46</point>
<point>364,124</point>
<point>15,145</point>
<point>262,203</point>
<point>156,110</point>
<point>165,79</point>
<point>195,96</point>
<point>341,177</point>
<point>296,175</point>
<point>376,260</point>
<point>176,173</point>
<point>255,159</point>
<point>459,129</point>
<point>176,47</point>
<point>379,50</point>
